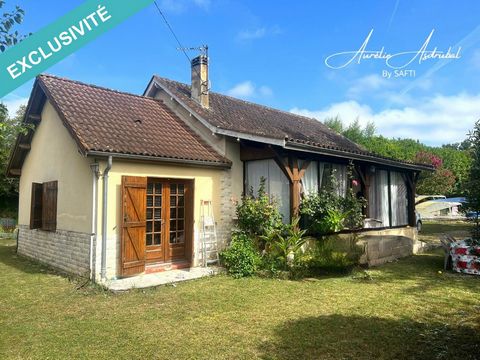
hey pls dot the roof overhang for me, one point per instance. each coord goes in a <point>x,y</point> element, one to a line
<point>284,143</point>
<point>158,159</point>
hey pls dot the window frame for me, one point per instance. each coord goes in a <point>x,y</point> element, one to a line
<point>43,206</point>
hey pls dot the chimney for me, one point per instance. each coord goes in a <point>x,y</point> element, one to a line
<point>200,80</point>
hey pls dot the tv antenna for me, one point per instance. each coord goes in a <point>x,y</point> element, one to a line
<point>202,49</point>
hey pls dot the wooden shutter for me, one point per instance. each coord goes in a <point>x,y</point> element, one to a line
<point>49,206</point>
<point>134,194</point>
<point>36,206</point>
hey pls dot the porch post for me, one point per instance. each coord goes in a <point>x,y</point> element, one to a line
<point>295,186</point>
<point>412,185</point>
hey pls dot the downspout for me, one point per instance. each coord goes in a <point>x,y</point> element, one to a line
<point>93,236</point>
<point>103,270</point>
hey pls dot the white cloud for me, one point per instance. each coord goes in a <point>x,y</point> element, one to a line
<point>13,103</point>
<point>202,3</point>
<point>367,84</point>
<point>247,89</point>
<point>436,120</point>
<point>258,33</point>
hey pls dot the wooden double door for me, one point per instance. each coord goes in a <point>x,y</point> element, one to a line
<point>157,222</point>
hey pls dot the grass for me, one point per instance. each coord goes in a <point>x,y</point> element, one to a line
<point>431,230</point>
<point>403,310</point>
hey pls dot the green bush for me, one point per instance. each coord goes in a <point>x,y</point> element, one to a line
<point>328,212</point>
<point>258,215</point>
<point>284,245</point>
<point>331,254</point>
<point>241,258</point>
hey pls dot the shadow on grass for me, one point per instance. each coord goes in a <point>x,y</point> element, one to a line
<point>9,257</point>
<point>425,272</point>
<point>356,337</point>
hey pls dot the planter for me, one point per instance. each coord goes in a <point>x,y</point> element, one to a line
<point>465,257</point>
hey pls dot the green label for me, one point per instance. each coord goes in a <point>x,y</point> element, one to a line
<point>53,43</point>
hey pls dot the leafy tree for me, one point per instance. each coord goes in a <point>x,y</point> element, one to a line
<point>473,187</point>
<point>9,130</point>
<point>9,37</point>
<point>455,158</point>
<point>334,123</point>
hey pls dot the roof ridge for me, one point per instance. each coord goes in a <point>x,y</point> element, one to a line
<point>270,108</point>
<point>93,86</point>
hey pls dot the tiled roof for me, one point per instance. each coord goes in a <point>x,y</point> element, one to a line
<point>244,117</point>
<point>105,120</point>
<point>229,113</point>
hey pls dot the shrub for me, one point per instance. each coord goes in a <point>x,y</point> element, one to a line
<point>330,254</point>
<point>241,258</point>
<point>328,212</point>
<point>257,216</point>
<point>283,246</point>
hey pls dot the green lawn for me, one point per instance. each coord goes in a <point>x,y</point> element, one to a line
<point>402,310</point>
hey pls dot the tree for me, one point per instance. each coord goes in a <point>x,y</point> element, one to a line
<point>455,158</point>
<point>473,186</point>
<point>9,37</point>
<point>9,130</point>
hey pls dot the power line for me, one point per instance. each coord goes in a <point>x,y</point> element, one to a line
<point>173,32</point>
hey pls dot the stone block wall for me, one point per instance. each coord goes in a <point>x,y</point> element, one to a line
<point>68,251</point>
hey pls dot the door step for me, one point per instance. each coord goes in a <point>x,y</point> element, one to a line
<point>154,268</point>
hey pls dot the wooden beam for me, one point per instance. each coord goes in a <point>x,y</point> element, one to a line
<point>34,119</point>
<point>283,165</point>
<point>24,146</point>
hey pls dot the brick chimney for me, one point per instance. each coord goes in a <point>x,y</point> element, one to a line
<point>200,80</point>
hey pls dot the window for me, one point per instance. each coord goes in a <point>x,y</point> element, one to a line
<point>318,175</point>
<point>43,214</point>
<point>277,184</point>
<point>399,199</point>
<point>388,198</point>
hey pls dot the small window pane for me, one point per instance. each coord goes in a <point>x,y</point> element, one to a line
<point>149,239</point>
<point>157,226</point>
<point>180,237</point>
<point>173,213</point>
<point>158,214</point>
<point>180,213</point>
<point>150,188</point>
<point>172,237</point>
<point>180,225</point>
<point>156,239</point>
<point>158,201</point>
<point>158,189</point>
<point>149,226</point>
<point>173,225</point>
<point>149,201</point>
<point>173,189</point>
<point>181,201</point>
<point>173,201</point>
<point>181,188</point>
<point>149,214</point>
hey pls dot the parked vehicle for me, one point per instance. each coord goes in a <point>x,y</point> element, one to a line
<point>418,221</point>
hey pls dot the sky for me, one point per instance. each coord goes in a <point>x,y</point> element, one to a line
<point>276,53</point>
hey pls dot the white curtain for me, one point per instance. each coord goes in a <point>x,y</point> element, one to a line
<point>379,207</point>
<point>276,185</point>
<point>310,178</point>
<point>341,176</point>
<point>399,199</point>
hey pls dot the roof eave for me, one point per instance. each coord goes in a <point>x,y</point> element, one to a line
<point>159,159</point>
<point>217,130</point>
<point>354,156</point>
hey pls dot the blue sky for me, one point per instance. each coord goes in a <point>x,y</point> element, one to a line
<point>273,53</point>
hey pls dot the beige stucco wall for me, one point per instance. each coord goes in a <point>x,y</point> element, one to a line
<point>54,156</point>
<point>209,184</point>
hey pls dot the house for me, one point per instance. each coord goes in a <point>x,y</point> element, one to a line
<point>112,184</point>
